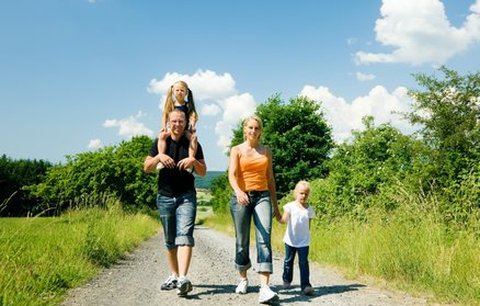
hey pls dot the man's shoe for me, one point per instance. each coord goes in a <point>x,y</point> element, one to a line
<point>266,295</point>
<point>286,285</point>
<point>170,283</point>
<point>242,286</point>
<point>184,286</point>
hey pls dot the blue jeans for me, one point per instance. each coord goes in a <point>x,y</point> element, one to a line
<point>177,215</point>
<point>260,208</point>
<point>302,264</point>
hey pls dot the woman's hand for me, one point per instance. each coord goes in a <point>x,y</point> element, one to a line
<point>242,197</point>
<point>276,213</point>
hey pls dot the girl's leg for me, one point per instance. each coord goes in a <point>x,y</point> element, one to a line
<point>162,141</point>
<point>162,145</point>
<point>192,149</point>
<point>288,265</point>
<point>304,267</point>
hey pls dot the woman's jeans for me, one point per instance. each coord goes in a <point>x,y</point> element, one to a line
<point>260,208</point>
<point>302,263</point>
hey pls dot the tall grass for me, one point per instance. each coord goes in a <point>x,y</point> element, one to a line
<point>43,257</point>
<point>416,254</point>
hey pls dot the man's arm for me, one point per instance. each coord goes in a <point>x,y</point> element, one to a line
<point>200,167</point>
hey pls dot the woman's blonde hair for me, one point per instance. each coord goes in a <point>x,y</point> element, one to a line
<point>257,119</point>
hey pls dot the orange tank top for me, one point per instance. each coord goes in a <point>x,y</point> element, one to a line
<point>252,173</point>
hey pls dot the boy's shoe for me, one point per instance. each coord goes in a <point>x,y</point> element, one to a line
<point>160,166</point>
<point>286,285</point>
<point>184,286</point>
<point>242,286</point>
<point>308,290</point>
<point>266,295</point>
<point>170,283</point>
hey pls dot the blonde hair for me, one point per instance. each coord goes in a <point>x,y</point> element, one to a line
<point>169,105</point>
<point>300,184</point>
<point>257,119</point>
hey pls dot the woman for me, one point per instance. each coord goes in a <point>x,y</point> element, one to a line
<point>250,174</point>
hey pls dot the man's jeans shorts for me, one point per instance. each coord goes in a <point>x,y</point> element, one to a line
<point>260,209</point>
<point>177,215</point>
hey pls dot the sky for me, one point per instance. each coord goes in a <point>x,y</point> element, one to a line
<point>79,75</point>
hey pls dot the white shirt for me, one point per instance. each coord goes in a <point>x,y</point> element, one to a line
<point>298,230</point>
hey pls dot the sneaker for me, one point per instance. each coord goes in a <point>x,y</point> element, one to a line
<point>308,290</point>
<point>170,283</point>
<point>266,295</point>
<point>286,285</point>
<point>184,286</point>
<point>160,166</point>
<point>242,286</point>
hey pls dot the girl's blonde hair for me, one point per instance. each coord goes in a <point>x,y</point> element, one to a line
<point>300,184</point>
<point>257,119</point>
<point>170,104</point>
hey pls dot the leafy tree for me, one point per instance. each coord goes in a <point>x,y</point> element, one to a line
<point>448,109</point>
<point>221,191</point>
<point>377,157</point>
<point>89,178</point>
<point>299,137</point>
<point>14,175</point>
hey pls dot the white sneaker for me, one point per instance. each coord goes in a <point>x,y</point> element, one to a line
<point>242,286</point>
<point>266,295</point>
<point>184,286</point>
<point>160,166</point>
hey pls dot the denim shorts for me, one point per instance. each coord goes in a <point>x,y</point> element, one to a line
<point>177,215</point>
<point>260,210</point>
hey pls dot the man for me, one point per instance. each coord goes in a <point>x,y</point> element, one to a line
<point>176,199</point>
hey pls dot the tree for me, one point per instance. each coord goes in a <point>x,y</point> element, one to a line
<point>14,175</point>
<point>449,112</point>
<point>299,137</point>
<point>89,178</point>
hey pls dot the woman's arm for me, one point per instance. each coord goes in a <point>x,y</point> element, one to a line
<point>242,197</point>
<point>271,185</point>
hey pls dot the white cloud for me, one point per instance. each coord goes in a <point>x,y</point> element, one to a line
<point>205,85</point>
<point>129,127</point>
<point>210,110</point>
<point>95,144</point>
<point>364,77</point>
<point>235,108</point>
<point>213,94</point>
<point>344,116</point>
<point>420,32</point>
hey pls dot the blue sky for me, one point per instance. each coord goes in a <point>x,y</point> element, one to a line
<point>76,75</point>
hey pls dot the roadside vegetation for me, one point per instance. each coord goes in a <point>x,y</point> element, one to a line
<point>43,257</point>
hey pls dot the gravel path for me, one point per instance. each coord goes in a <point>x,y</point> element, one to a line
<point>137,279</point>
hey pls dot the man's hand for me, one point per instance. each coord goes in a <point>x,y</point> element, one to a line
<point>186,163</point>
<point>166,160</point>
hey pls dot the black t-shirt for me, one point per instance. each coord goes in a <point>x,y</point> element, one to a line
<point>174,182</point>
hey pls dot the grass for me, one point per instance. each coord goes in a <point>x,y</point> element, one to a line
<point>43,257</point>
<point>415,254</point>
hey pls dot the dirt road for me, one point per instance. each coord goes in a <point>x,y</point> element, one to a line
<point>137,280</point>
